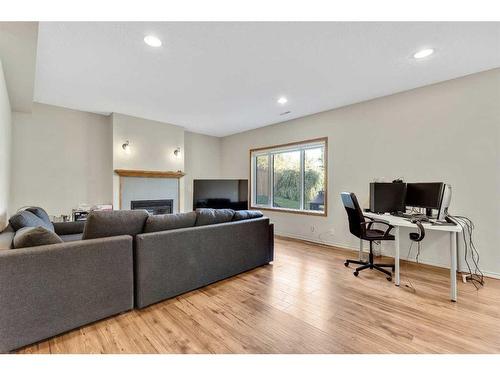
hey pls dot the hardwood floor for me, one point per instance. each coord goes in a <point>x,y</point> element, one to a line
<point>306,302</point>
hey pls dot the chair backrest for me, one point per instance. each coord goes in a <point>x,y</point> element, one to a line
<point>354,214</point>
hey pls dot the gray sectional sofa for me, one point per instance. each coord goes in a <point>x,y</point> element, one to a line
<point>74,274</point>
<point>173,262</point>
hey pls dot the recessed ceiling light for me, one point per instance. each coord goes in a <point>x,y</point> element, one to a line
<point>282,100</point>
<point>423,53</point>
<point>152,41</point>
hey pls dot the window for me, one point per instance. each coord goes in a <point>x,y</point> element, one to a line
<point>290,177</point>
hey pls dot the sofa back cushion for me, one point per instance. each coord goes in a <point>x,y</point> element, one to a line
<point>34,236</point>
<point>42,214</point>
<point>26,218</point>
<point>209,216</point>
<point>101,224</point>
<point>159,223</point>
<point>246,214</point>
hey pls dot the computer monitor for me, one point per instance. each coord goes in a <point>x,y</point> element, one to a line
<point>387,197</point>
<point>424,195</point>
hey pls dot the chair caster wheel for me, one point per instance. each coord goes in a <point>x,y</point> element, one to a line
<point>346,263</point>
<point>389,278</point>
<point>355,273</point>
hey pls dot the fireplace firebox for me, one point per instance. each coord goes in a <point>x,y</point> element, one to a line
<point>155,206</point>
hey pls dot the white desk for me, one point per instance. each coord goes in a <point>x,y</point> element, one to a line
<point>453,231</point>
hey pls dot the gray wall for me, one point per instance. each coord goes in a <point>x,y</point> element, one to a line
<point>444,132</point>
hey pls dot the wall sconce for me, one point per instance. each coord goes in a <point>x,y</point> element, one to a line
<point>177,152</point>
<point>126,146</point>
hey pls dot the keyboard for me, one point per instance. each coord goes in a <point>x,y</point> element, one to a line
<point>419,217</point>
<point>402,214</point>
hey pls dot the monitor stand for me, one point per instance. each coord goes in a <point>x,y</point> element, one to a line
<point>428,213</point>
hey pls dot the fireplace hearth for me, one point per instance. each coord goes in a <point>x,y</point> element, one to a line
<point>154,206</point>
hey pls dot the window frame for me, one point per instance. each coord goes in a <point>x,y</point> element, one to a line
<point>271,151</point>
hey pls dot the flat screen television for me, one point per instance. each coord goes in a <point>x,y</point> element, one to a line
<point>220,194</point>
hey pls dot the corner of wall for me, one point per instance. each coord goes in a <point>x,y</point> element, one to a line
<point>5,149</point>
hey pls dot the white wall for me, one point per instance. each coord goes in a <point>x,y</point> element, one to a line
<point>202,160</point>
<point>60,158</point>
<point>152,146</point>
<point>5,150</point>
<point>445,132</point>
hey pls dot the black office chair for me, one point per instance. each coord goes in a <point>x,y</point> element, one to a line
<point>361,228</point>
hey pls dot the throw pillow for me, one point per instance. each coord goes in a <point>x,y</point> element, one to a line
<point>42,214</point>
<point>28,219</point>
<point>37,236</point>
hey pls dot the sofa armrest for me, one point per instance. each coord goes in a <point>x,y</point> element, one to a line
<point>69,227</point>
<point>48,290</point>
<point>271,242</point>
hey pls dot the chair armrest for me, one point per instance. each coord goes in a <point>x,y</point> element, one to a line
<point>381,222</point>
<point>69,227</point>
<point>373,221</point>
<point>369,223</point>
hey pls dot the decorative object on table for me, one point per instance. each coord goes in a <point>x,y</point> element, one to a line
<point>83,210</point>
<point>102,207</point>
<point>59,219</point>
<point>80,215</point>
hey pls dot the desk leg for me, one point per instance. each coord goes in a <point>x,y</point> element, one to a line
<point>453,266</point>
<point>396,256</point>
<point>360,250</point>
<point>459,266</point>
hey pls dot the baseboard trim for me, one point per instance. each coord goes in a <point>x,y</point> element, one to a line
<point>343,246</point>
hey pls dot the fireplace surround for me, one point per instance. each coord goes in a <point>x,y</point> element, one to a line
<point>156,191</point>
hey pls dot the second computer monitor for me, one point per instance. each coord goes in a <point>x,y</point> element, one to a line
<point>424,194</point>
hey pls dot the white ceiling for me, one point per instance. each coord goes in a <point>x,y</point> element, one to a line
<point>18,54</point>
<point>224,78</point>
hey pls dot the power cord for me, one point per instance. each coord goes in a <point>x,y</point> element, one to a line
<point>409,284</point>
<point>467,225</point>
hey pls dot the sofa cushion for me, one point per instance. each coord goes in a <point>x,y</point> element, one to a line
<point>69,227</point>
<point>25,218</point>
<point>35,236</point>
<point>6,237</point>
<point>42,214</point>
<point>101,224</point>
<point>246,214</point>
<point>209,216</point>
<point>158,223</point>
<point>71,237</point>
